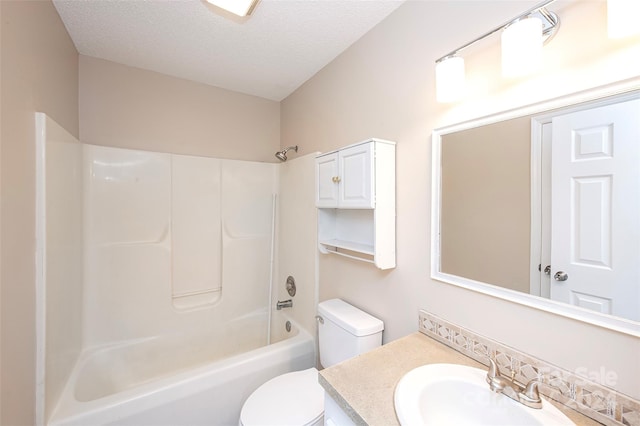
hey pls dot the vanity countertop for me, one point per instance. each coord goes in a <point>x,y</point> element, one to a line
<point>363,386</point>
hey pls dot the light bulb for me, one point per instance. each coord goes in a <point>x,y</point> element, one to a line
<point>522,47</point>
<point>450,78</point>
<point>622,18</point>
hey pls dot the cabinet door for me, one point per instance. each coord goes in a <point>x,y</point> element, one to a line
<point>356,177</point>
<point>327,180</point>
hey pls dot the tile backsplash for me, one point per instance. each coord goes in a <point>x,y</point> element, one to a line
<point>596,401</point>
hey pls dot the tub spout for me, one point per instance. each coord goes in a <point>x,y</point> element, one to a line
<point>284,304</point>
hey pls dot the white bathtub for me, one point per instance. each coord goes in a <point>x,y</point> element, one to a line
<point>162,381</point>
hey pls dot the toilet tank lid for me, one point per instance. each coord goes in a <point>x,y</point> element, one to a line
<point>349,317</point>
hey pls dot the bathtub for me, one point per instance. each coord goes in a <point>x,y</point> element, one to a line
<point>164,381</point>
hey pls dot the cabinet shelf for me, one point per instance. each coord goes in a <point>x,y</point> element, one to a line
<point>350,245</point>
<point>355,196</point>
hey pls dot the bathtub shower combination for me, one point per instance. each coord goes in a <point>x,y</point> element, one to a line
<point>156,291</point>
<point>165,381</point>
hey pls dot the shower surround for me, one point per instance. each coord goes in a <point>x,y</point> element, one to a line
<point>139,249</point>
<point>173,242</point>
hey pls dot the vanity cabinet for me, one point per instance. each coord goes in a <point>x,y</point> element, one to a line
<point>334,414</point>
<point>355,196</point>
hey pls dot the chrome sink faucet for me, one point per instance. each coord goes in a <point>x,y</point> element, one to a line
<point>527,395</point>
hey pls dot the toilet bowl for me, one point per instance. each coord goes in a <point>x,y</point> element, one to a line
<point>296,399</point>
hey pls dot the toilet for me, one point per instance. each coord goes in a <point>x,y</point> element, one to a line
<point>296,399</point>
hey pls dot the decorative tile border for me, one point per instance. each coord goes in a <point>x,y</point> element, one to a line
<point>598,402</point>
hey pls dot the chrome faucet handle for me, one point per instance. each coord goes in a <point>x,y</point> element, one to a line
<point>531,396</point>
<point>495,380</point>
<point>531,390</point>
<point>494,370</point>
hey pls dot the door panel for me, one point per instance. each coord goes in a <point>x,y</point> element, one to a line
<point>326,172</point>
<point>591,202</point>
<point>595,236</point>
<point>356,172</point>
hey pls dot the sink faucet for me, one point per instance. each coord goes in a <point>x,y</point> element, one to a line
<point>284,304</point>
<point>527,395</point>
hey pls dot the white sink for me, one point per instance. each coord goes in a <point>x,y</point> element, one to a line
<point>451,394</point>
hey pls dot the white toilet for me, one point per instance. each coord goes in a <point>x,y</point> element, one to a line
<point>296,399</point>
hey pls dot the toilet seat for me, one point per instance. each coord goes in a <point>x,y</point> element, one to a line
<point>290,399</point>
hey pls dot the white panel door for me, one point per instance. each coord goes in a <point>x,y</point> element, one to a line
<point>595,238</point>
<point>327,183</point>
<point>356,177</point>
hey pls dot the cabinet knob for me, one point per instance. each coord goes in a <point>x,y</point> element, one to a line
<point>336,179</point>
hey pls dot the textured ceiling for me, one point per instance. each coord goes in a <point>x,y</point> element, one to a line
<point>269,54</point>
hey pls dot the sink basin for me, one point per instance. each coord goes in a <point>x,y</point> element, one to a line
<point>451,394</point>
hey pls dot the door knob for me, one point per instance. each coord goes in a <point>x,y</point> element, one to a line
<point>561,276</point>
<point>547,270</point>
<point>336,179</point>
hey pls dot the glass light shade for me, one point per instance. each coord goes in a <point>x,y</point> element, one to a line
<point>237,7</point>
<point>522,47</point>
<point>622,18</point>
<point>450,79</point>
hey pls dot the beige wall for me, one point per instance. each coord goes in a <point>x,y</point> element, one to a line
<point>128,107</point>
<point>383,86</point>
<point>486,204</point>
<point>39,73</point>
<point>297,238</point>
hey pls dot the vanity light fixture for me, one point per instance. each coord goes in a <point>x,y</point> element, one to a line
<point>622,18</point>
<point>521,47</point>
<point>237,7</point>
<point>450,79</point>
<point>522,40</point>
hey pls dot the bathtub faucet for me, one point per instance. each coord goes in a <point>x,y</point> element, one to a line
<point>284,304</point>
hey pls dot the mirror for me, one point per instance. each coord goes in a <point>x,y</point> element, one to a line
<point>553,186</point>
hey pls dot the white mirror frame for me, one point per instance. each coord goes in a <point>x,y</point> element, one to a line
<point>606,321</point>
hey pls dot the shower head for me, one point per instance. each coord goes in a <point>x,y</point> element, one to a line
<point>282,155</point>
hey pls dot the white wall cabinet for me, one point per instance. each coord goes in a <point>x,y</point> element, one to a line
<point>326,180</point>
<point>345,178</point>
<point>355,196</point>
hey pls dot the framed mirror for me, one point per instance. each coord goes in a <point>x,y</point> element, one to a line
<point>541,206</point>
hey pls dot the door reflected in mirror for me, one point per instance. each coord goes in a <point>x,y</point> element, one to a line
<point>545,205</point>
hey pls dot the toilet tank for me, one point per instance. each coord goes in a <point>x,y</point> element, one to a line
<point>345,331</point>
